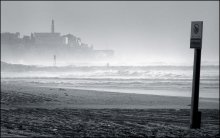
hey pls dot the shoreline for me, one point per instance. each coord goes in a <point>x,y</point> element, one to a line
<point>36,96</point>
<point>212,93</point>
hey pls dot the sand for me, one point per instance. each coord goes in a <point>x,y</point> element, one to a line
<point>32,110</point>
<point>26,95</point>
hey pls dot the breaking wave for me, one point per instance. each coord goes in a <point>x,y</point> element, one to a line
<point>133,79</point>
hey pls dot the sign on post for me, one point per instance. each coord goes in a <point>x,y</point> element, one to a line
<point>196,34</point>
<point>196,43</point>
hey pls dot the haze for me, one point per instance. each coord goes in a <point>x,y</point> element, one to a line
<point>139,32</point>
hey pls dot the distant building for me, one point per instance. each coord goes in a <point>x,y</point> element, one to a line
<point>51,38</point>
<point>10,38</point>
<point>48,39</point>
<point>71,40</point>
<point>43,45</point>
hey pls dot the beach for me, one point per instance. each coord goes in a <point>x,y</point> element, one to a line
<point>32,110</point>
<point>110,69</point>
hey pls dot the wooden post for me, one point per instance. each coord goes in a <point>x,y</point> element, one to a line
<point>196,43</point>
<point>195,115</point>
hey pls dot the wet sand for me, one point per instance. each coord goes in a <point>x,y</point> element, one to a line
<point>26,95</point>
<point>28,110</point>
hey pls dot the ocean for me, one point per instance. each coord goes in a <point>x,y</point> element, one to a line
<point>156,80</point>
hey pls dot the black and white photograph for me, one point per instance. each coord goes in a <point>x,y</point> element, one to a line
<point>110,69</point>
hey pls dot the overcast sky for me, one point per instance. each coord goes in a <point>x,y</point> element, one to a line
<point>142,31</point>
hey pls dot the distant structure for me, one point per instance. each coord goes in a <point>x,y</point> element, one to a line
<point>43,45</point>
<point>54,60</point>
<point>107,65</point>
<point>52,26</point>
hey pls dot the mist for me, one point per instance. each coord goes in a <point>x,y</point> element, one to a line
<point>139,33</point>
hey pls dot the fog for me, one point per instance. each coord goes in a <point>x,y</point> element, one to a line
<point>140,33</point>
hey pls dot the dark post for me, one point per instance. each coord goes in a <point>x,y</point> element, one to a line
<point>196,43</point>
<point>195,115</point>
<point>54,60</point>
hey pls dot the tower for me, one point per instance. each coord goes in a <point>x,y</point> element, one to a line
<point>52,26</point>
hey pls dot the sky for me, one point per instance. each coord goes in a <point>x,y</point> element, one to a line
<point>139,32</point>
